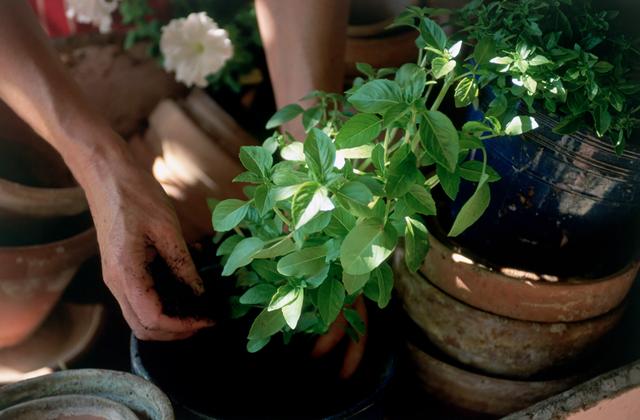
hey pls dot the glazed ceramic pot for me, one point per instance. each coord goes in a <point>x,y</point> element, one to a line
<point>497,344</point>
<point>519,294</point>
<point>476,392</point>
<point>566,204</point>
<point>74,393</point>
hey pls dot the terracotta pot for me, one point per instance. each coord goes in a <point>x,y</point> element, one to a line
<point>480,393</point>
<point>123,390</point>
<point>493,343</point>
<point>392,50</point>
<point>32,280</point>
<point>371,17</point>
<point>520,294</point>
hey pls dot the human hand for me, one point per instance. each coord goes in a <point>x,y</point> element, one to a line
<point>355,350</point>
<point>135,222</point>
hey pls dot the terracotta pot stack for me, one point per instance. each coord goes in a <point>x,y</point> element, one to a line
<point>501,331</point>
<point>45,229</point>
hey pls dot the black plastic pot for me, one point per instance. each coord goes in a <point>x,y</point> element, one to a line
<point>566,204</point>
<point>212,376</point>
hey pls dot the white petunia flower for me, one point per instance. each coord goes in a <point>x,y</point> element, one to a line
<point>96,12</point>
<point>194,47</point>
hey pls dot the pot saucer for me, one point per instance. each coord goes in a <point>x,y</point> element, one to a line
<point>69,330</point>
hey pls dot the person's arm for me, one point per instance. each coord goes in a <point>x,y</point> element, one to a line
<point>304,41</point>
<point>133,217</point>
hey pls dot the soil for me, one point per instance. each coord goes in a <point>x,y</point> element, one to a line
<point>177,297</point>
<point>212,373</point>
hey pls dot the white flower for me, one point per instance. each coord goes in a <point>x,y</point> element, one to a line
<point>96,12</point>
<point>194,47</point>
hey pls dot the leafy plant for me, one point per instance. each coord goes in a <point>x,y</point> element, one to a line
<point>237,18</point>
<point>322,217</point>
<point>560,57</point>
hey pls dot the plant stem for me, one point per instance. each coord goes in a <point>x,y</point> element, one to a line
<point>441,95</point>
<point>238,231</point>
<point>282,216</point>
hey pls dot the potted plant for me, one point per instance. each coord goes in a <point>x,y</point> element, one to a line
<point>511,294</point>
<point>320,221</point>
<point>574,181</point>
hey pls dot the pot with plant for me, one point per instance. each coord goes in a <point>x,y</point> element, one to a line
<point>570,188</point>
<point>320,222</point>
<point>535,320</point>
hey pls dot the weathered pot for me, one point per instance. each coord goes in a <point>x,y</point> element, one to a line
<point>520,294</point>
<point>68,407</point>
<point>122,389</point>
<point>32,280</point>
<point>566,204</point>
<point>386,50</point>
<point>477,392</point>
<point>492,343</point>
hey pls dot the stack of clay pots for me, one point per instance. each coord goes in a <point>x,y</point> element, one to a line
<point>500,338</point>
<point>46,231</point>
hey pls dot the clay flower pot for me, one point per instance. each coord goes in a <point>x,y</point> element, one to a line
<point>85,394</point>
<point>523,295</point>
<point>476,392</point>
<point>493,343</point>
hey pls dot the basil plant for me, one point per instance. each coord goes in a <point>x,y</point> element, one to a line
<point>323,216</point>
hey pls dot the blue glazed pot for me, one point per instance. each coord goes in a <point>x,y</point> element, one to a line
<point>566,204</point>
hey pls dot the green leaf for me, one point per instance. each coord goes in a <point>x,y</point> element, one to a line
<point>285,114</point>
<point>472,209</point>
<point>602,120</point>
<point>258,294</point>
<point>471,170</point>
<point>256,159</point>
<point>227,245</point>
<point>279,248</point>
<point>354,282</point>
<point>355,196</point>
<point>266,324</point>
<point>330,300</point>
<point>228,214</point>
<point>267,269</point>
<point>476,128</point>
<point>420,200</point>
<point>254,346</point>
<point>310,199</point>
<point>416,242</point>
<point>402,172</point>
<point>358,130</point>
<point>380,285</point>
<point>368,244</point>
<point>366,69</point>
<point>249,177</point>
<point>484,50</point>
<point>353,318</point>
<point>466,92</point>
<point>263,199</point>
<point>497,106</point>
<point>311,117</point>
<point>432,34</point>
<point>306,262</point>
<point>242,254</point>
<point>539,60</point>
<point>569,125</point>
<point>450,182</point>
<point>520,124</point>
<point>341,223</point>
<point>292,311</point>
<point>320,153</point>
<point>441,67</point>
<point>377,157</point>
<point>376,96</point>
<point>318,278</point>
<point>412,79</point>
<point>440,139</point>
<point>603,67</point>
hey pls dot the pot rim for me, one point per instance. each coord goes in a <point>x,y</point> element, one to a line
<point>41,201</point>
<point>138,367</point>
<point>78,401</point>
<point>74,240</point>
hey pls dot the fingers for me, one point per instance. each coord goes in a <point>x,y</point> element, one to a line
<point>172,248</point>
<point>355,350</point>
<point>328,341</point>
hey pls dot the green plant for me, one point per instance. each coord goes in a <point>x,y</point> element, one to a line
<point>561,57</point>
<point>319,225</point>
<point>238,18</point>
